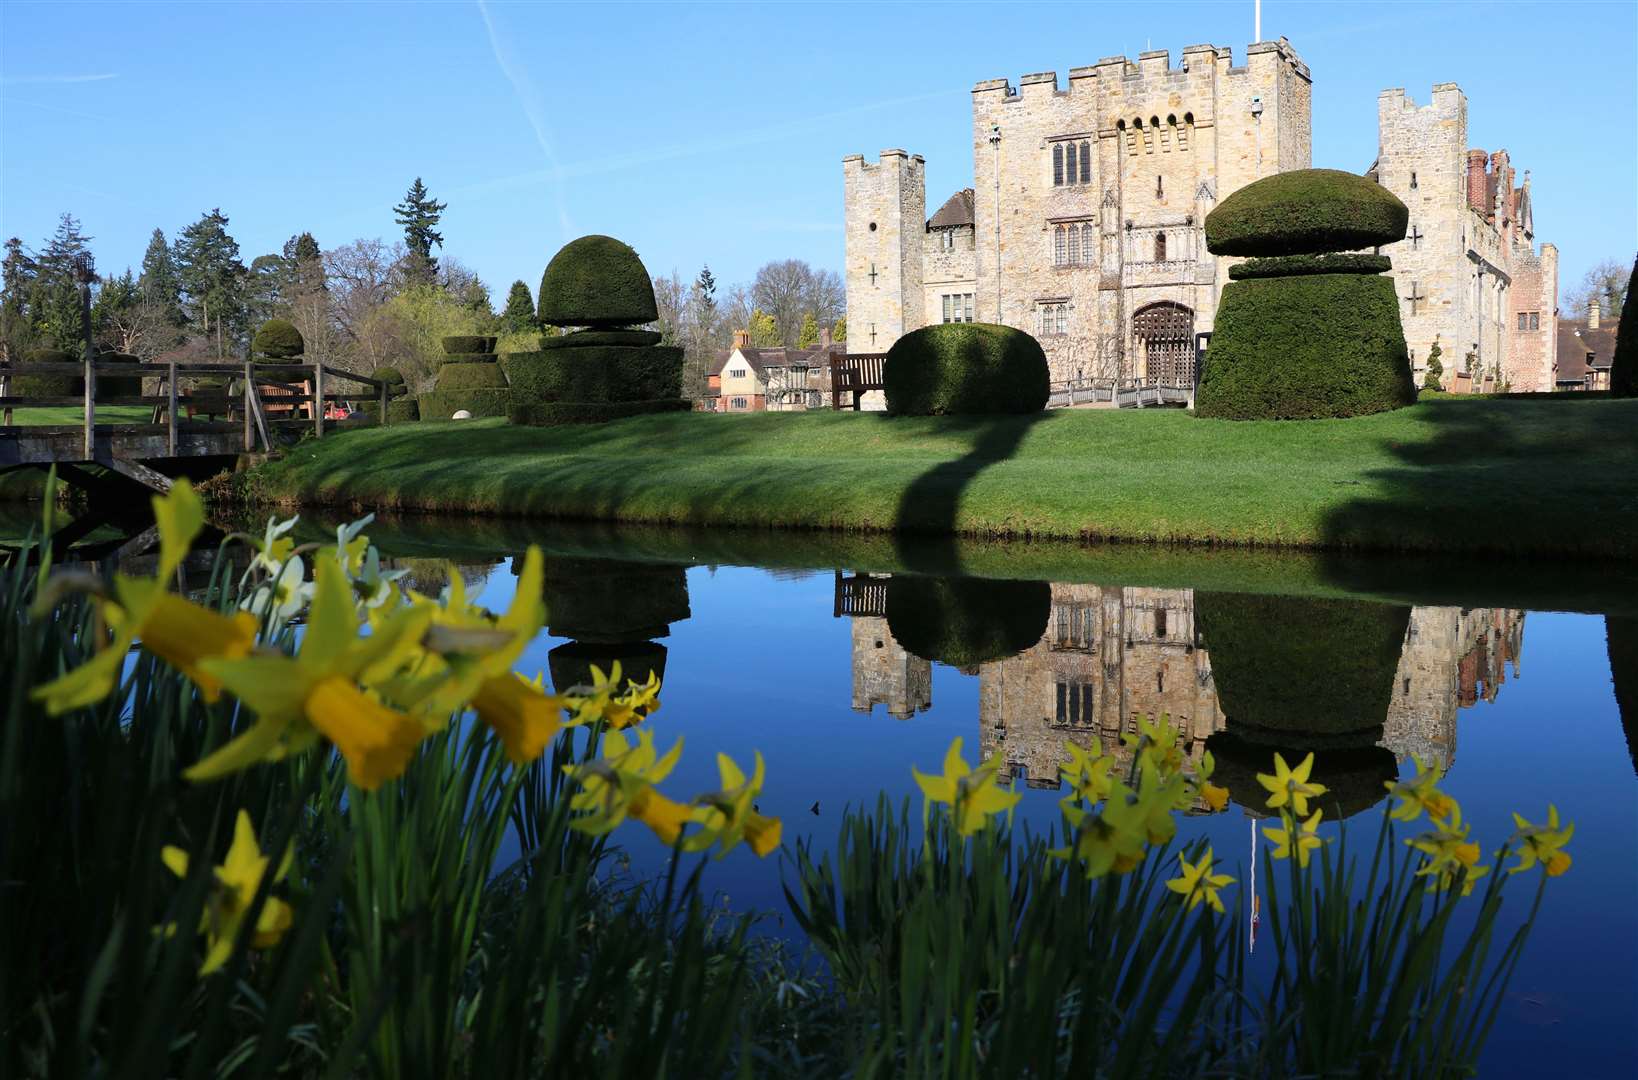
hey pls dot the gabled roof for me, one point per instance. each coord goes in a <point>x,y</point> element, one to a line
<point>761,360</point>
<point>1575,341</point>
<point>957,210</point>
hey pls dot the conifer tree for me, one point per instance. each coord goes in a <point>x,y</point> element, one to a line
<point>212,279</point>
<point>808,338</point>
<point>1434,379</point>
<point>519,314</point>
<point>16,294</point>
<point>56,308</point>
<point>839,332</point>
<point>419,214</point>
<point>159,281</point>
<point>764,331</point>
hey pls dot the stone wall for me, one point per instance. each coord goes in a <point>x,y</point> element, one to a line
<point>885,212</point>
<point>884,673</point>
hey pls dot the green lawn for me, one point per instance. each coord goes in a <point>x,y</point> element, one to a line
<point>1541,476</point>
<point>75,414</point>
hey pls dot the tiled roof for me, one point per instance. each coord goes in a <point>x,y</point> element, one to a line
<point>1575,341</point>
<point>762,359</point>
<point>957,210</point>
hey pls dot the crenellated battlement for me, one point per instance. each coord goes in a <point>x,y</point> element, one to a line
<point>1152,71</point>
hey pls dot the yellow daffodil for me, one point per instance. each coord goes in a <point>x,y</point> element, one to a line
<point>1088,772</point>
<point>728,816</point>
<point>1450,853</point>
<point>1215,798</point>
<point>1157,798</point>
<point>522,716</point>
<point>618,704</point>
<point>621,784</point>
<point>1108,839</point>
<point>1157,743</point>
<point>1291,786</point>
<point>177,631</point>
<point>1420,795</point>
<point>1543,844</point>
<point>972,794</point>
<point>237,880</point>
<point>1198,883</point>
<point>318,693</point>
<point>1290,840</point>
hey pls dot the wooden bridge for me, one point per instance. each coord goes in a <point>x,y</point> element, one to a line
<point>253,407</point>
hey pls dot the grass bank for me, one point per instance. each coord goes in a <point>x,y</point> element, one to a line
<point>1519,477</point>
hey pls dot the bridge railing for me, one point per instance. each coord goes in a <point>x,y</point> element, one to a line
<point>269,396</point>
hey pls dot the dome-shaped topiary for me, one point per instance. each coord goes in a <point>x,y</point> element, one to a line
<point>277,339</point>
<point>389,375</point>
<point>965,369</point>
<point>596,281</point>
<point>1305,212</point>
<point>964,622</point>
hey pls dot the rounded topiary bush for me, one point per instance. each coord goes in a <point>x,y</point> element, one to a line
<point>582,338</point>
<point>467,343</point>
<point>598,282</point>
<point>965,369</point>
<point>1306,211</point>
<point>470,376</point>
<point>118,386</point>
<point>390,375</point>
<point>46,386</point>
<point>277,339</point>
<point>1353,777</point>
<point>597,374</point>
<point>611,600</point>
<point>1297,265</point>
<point>964,622</point>
<point>1302,672</point>
<point>571,664</point>
<point>1309,347</point>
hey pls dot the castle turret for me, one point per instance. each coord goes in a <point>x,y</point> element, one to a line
<point>886,215</point>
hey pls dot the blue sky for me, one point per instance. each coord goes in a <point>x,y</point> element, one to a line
<point>703,132</point>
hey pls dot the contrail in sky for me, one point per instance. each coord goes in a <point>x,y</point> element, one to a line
<point>25,80</point>
<point>530,101</point>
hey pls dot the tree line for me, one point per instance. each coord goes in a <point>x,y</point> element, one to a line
<point>360,306</point>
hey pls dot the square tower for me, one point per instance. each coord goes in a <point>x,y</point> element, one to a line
<point>886,214</point>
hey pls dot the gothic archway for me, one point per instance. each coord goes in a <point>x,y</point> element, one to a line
<point>1164,332</point>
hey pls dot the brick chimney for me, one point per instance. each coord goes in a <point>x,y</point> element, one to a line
<point>742,339</point>
<point>1478,194</point>
<point>1595,312</point>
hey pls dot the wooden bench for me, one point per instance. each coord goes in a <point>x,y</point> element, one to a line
<point>855,373</point>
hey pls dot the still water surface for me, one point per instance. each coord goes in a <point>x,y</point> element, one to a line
<point>844,678</point>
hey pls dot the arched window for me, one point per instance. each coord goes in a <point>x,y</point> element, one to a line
<point>1063,318</point>
<point>1071,164</point>
<point>1086,162</point>
<point>1130,134</point>
<point>1148,136</point>
<point>1185,131</point>
<point>1074,245</point>
<point>1087,250</point>
<point>1059,242</point>
<point>1057,164</point>
<point>1160,247</point>
<point>1171,133</point>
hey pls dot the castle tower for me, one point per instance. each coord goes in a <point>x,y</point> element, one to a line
<point>885,673</point>
<point>885,221</point>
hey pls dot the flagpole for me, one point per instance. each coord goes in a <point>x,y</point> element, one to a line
<point>1257,24</point>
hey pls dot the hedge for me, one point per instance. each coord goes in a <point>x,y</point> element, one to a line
<point>583,338</point>
<point>965,369</point>
<point>1302,672</point>
<point>117,386</point>
<point>598,282</point>
<point>1621,641</point>
<point>390,375</point>
<point>612,600</point>
<point>964,622</point>
<point>465,343</point>
<point>399,410</point>
<point>601,373</point>
<point>443,404</point>
<point>1305,211</point>
<point>1297,265</point>
<point>1353,778</point>
<point>1322,345</point>
<point>549,413</point>
<point>1624,367</point>
<point>278,339</point>
<point>46,386</point>
<point>468,358</point>
<point>469,377</point>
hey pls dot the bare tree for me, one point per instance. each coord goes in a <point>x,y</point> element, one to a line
<point>362,276</point>
<point>1608,282</point>
<point>671,300</point>
<point>783,289</point>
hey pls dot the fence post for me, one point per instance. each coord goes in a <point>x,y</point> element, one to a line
<point>170,408</point>
<point>250,433</point>
<point>90,406</point>
<point>385,419</point>
<point>5,391</point>
<point>318,399</point>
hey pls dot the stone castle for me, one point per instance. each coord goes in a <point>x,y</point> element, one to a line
<point>1085,221</point>
<point>1111,656</point>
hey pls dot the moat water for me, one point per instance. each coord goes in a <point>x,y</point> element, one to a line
<point>844,671</point>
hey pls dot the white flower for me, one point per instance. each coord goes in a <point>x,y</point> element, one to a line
<point>281,597</point>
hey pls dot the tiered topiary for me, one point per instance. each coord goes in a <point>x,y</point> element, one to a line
<point>46,386</point>
<point>612,610</point>
<point>469,379</point>
<point>276,340</point>
<point>1302,333</point>
<point>399,409</point>
<point>606,370</point>
<point>965,369</point>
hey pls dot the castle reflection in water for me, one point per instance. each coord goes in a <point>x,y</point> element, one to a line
<point>1112,655</point>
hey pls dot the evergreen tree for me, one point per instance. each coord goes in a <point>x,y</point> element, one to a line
<point>1434,379</point>
<point>706,288</point>
<point>160,283</point>
<point>56,308</point>
<point>212,279</point>
<point>16,295</point>
<point>419,214</point>
<point>808,338</point>
<point>303,268</point>
<point>519,315</point>
<point>1624,368</point>
<point>839,331</point>
<point>764,331</point>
